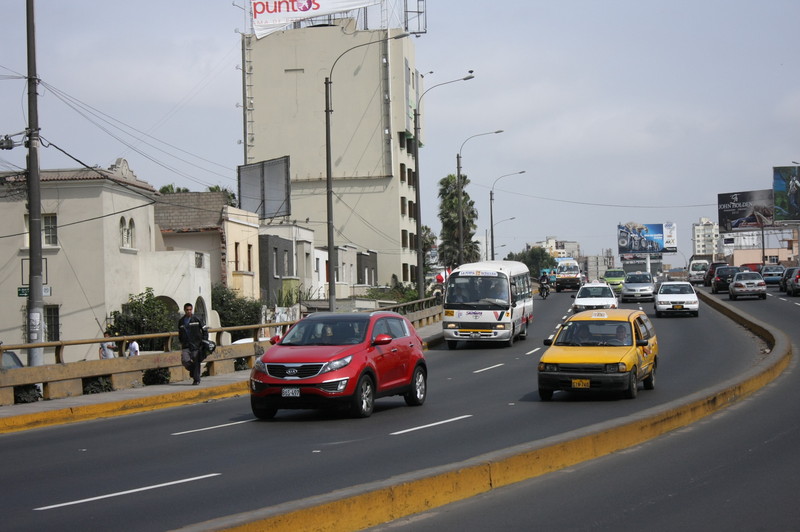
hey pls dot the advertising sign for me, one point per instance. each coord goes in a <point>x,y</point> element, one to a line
<point>745,211</point>
<point>786,193</point>
<point>275,15</point>
<point>637,238</point>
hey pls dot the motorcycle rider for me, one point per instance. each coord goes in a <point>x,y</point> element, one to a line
<point>544,284</point>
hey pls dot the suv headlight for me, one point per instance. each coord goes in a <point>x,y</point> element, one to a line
<point>260,366</point>
<point>336,364</point>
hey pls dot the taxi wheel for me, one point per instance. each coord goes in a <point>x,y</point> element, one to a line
<point>649,383</point>
<point>364,398</point>
<point>633,385</point>
<point>545,394</point>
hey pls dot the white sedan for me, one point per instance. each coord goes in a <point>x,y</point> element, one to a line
<point>594,295</point>
<point>675,297</point>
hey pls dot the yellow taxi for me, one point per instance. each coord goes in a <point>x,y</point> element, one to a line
<point>600,350</point>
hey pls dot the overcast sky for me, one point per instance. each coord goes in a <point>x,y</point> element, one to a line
<point>617,110</point>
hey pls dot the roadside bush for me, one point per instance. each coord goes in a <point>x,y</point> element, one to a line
<point>100,384</point>
<point>27,393</point>
<point>154,376</point>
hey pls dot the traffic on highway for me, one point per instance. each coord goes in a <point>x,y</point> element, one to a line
<point>203,462</point>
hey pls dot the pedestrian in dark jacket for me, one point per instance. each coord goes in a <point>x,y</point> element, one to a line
<point>191,333</point>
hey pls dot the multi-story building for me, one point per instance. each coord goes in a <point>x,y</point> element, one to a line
<point>374,88</point>
<point>705,238</point>
<point>99,246</point>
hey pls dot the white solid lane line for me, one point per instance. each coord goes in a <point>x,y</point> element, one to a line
<point>430,425</point>
<point>487,369</point>
<point>128,492</point>
<point>213,427</point>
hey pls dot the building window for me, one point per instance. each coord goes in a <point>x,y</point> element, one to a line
<point>316,264</point>
<point>402,172</point>
<point>404,238</point>
<point>249,257</point>
<point>405,272</point>
<point>123,233</point>
<point>403,206</point>
<point>198,260</point>
<point>51,324</point>
<point>275,262</point>
<point>236,257</point>
<point>131,234</point>
<point>286,262</point>
<point>49,230</point>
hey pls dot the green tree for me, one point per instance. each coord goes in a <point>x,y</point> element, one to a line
<point>448,216</point>
<point>172,189</point>
<point>535,258</point>
<point>143,314</point>
<point>230,196</point>
<point>234,309</point>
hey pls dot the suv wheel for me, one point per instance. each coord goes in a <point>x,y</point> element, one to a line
<point>419,389</point>
<point>363,400</point>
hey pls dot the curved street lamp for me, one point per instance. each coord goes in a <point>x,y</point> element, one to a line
<point>501,245</point>
<point>417,194</point>
<point>332,258</point>
<point>491,202</point>
<point>460,193</point>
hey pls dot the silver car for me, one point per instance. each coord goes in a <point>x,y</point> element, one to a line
<point>747,284</point>
<point>638,286</point>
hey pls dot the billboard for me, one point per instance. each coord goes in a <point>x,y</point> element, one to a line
<point>274,15</point>
<point>786,193</point>
<point>264,188</point>
<point>745,211</point>
<point>637,238</point>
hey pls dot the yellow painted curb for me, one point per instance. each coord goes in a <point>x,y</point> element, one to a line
<point>119,408</point>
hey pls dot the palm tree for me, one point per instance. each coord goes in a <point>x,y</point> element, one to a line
<point>448,215</point>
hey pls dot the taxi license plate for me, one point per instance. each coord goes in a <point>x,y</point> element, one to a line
<point>475,335</point>
<point>290,392</point>
<point>580,383</point>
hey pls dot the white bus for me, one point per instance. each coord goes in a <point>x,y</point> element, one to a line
<point>488,301</point>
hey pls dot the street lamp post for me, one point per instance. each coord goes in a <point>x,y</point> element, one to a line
<point>501,221</point>
<point>491,204</point>
<point>417,194</point>
<point>332,258</point>
<point>460,194</point>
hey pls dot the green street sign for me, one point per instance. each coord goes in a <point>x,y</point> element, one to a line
<point>23,291</point>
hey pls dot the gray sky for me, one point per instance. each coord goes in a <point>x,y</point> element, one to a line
<point>620,110</point>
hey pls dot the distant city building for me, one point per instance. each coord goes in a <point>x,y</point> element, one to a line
<point>705,237</point>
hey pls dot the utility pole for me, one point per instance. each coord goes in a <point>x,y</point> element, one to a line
<point>35,317</point>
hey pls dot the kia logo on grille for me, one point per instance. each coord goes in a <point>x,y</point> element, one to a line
<point>291,371</point>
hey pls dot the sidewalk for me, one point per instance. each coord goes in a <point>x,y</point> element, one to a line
<point>14,418</point>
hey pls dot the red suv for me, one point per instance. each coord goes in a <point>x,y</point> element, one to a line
<point>340,359</point>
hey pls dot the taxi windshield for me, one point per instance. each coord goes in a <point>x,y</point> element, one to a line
<point>595,333</point>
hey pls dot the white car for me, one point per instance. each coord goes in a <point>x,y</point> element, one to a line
<point>594,295</point>
<point>674,297</point>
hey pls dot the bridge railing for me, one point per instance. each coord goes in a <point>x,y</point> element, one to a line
<point>69,379</point>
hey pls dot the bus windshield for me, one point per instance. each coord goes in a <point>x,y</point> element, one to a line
<point>568,268</point>
<point>476,291</point>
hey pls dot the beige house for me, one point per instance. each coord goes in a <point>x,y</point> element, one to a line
<point>204,222</point>
<point>373,94</point>
<point>100,246</point>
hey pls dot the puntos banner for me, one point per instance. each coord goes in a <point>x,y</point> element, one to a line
<point>275,15</point>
